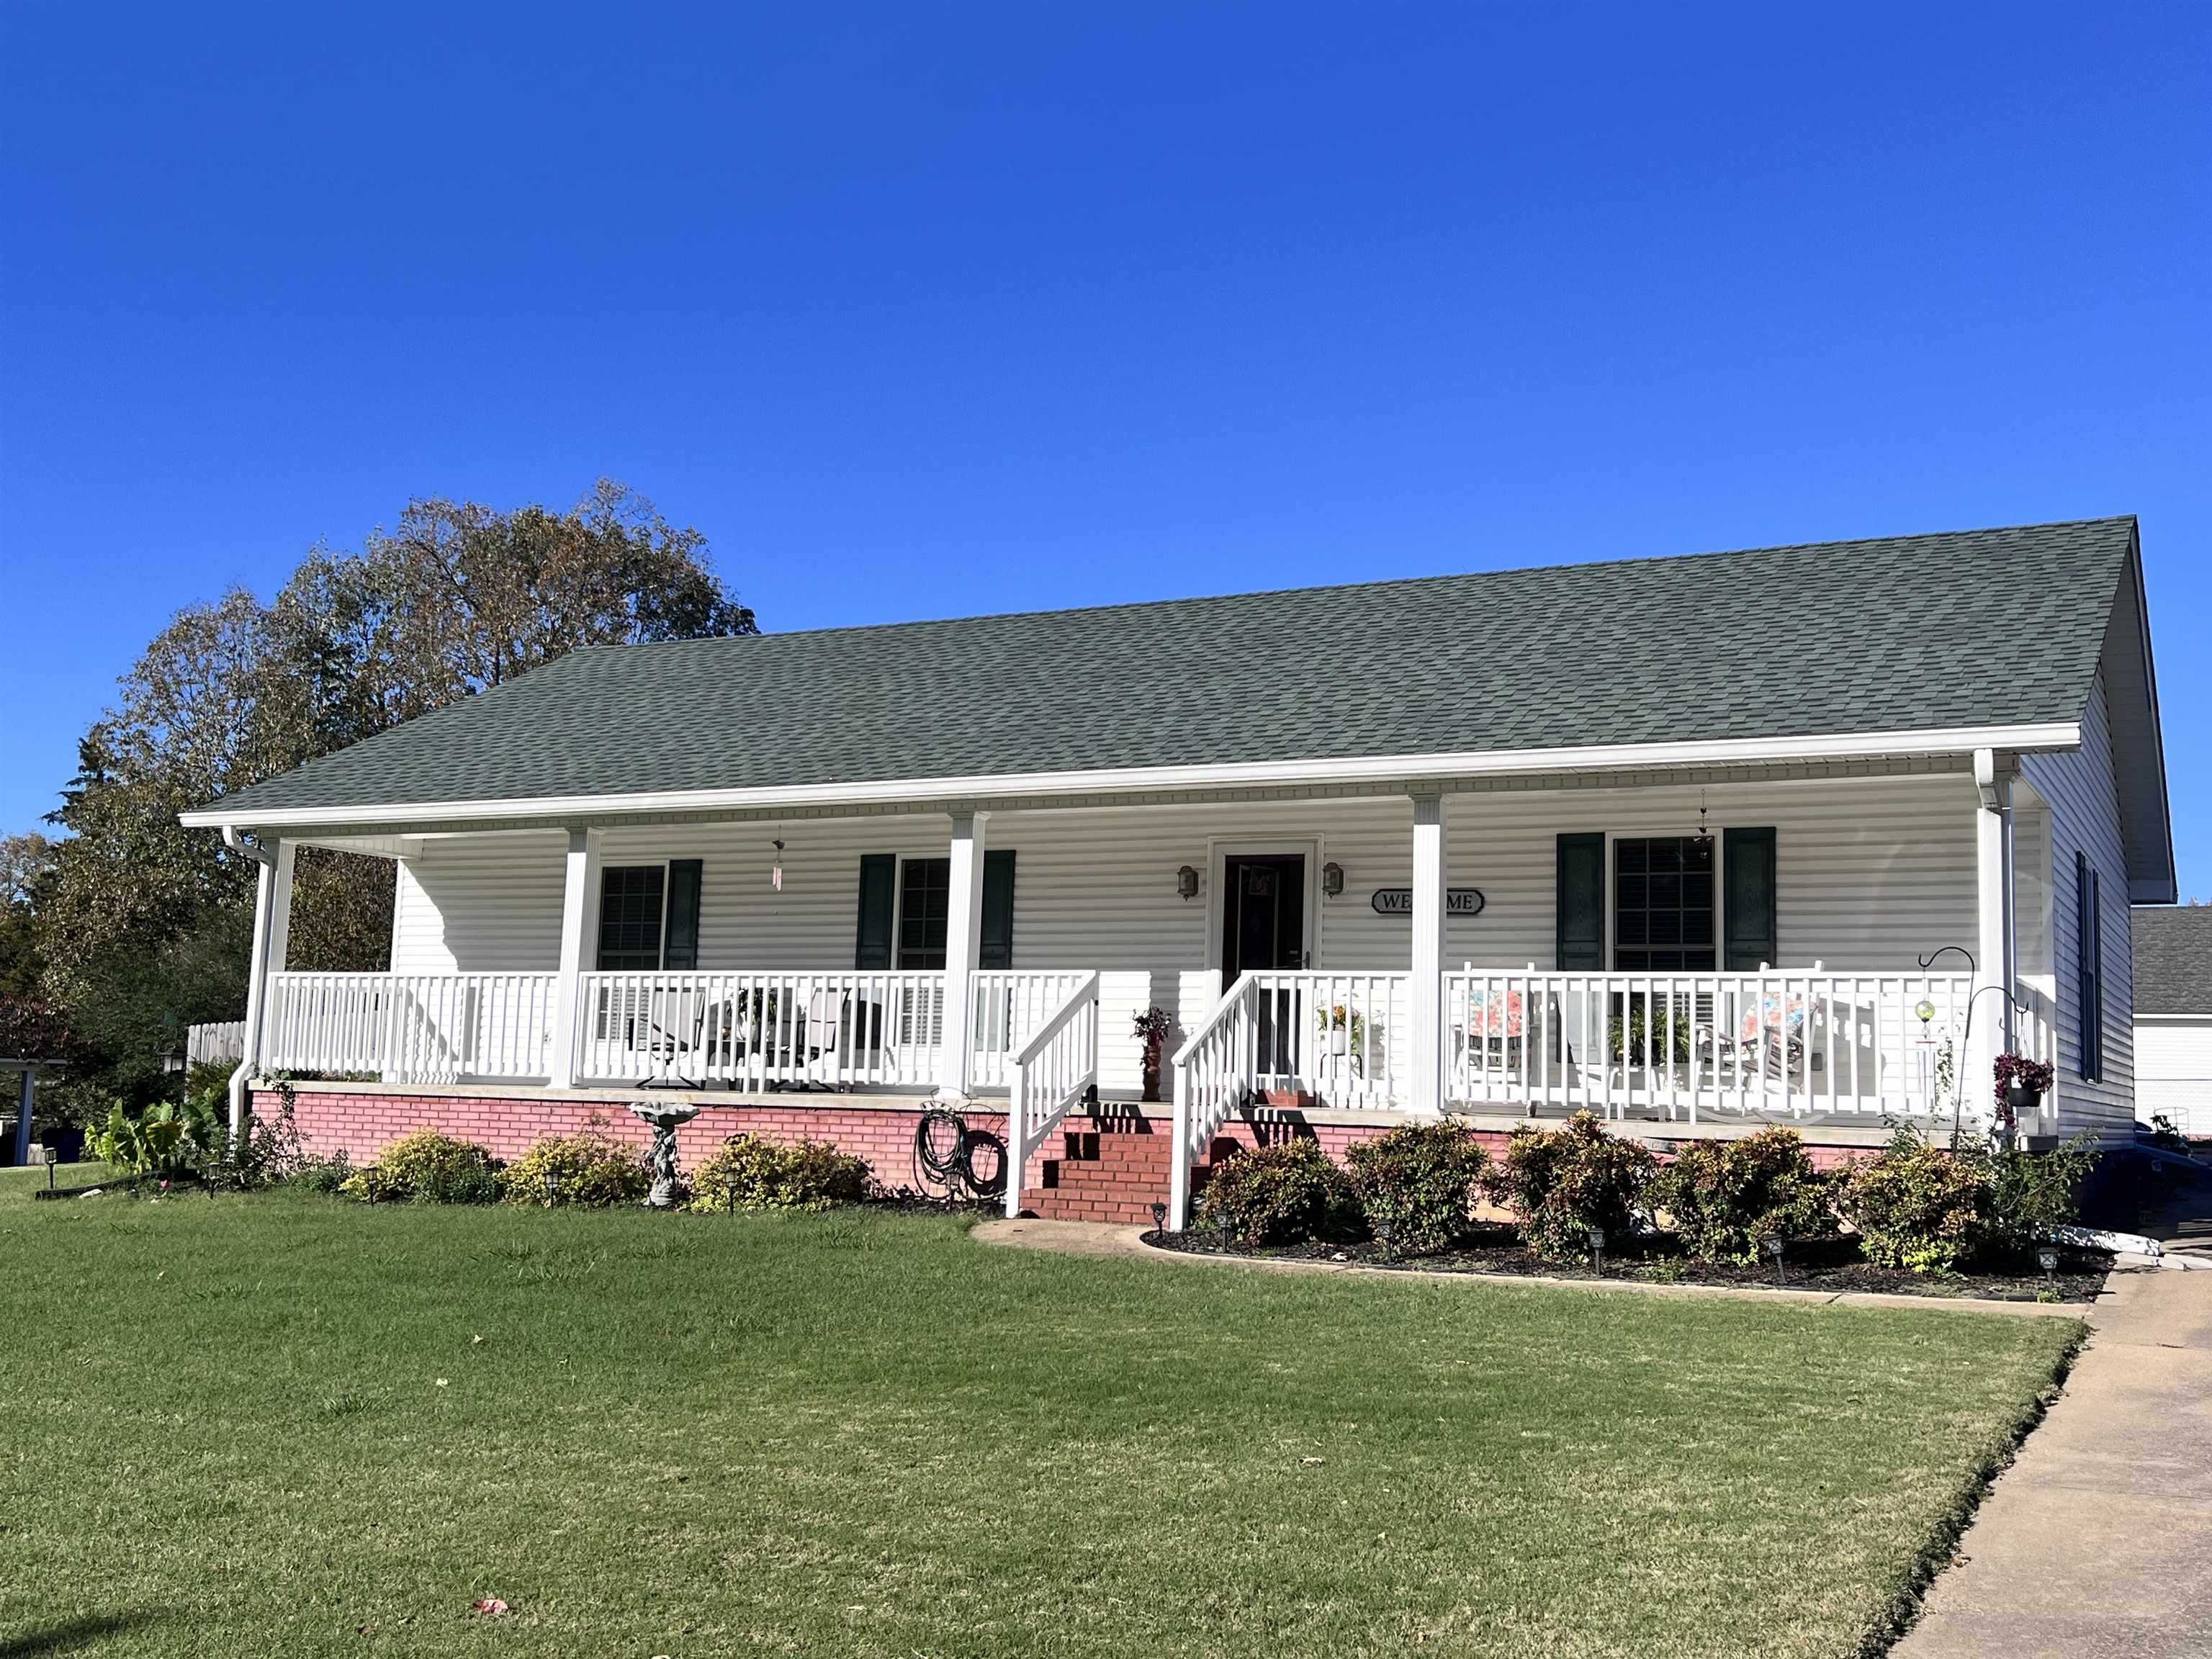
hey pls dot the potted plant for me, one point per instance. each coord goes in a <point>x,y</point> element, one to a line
<point>1346,1031</point>
<point>1152,1026</point>
<point>2022,1083</point>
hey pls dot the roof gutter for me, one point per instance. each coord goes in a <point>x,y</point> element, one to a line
<point>1432,770</point>
<point>238,843</point>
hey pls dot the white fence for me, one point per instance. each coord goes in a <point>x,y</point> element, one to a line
<point>223,1043</point>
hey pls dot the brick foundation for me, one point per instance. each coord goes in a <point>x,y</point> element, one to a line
<point>1112,1166</point>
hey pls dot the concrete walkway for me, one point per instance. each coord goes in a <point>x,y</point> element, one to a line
<point>2099,1540</point>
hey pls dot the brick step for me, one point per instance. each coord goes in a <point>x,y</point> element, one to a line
<point>1057,1203</point>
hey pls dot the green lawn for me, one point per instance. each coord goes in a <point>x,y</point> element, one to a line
<point>282,1425</point>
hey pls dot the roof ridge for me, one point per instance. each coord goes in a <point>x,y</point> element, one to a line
<point>1369,585</point>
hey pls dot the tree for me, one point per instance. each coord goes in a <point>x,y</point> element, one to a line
<point>140,927</point>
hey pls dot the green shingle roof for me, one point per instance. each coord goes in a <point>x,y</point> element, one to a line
<point>1970,627</point>
<point>2172,959</point>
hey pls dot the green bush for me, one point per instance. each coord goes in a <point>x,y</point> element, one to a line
<point>1421,1178</point>
<point>591,1169</point>
<point>1280,1194</point>
<point>1727,1198</point>
<point>1918,1207</point>
<point>427,1168</point>
<point>151,1144</point>
<point>754,1174</point>
<point>1562,1182</point>
<point>2033,1192</point>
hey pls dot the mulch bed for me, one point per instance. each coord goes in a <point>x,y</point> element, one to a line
<point>1831,1265</point>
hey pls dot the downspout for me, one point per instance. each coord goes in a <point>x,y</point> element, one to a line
<point>239,1078</point>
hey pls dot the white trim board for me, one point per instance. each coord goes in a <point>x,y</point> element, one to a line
<point>1421,774</point>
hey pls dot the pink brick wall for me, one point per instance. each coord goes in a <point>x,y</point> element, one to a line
<point>1131,1170</point>
<point>362,1125</point>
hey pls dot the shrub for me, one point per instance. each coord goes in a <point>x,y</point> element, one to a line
<point>152,1143</point>
<point>770,1175</point>
<point>1562,1182</point>
<point>1727,1198</point>
<point>591,1169</point>
<point>1421,1178</point>
<point>427,1168</point>
<point>2031,1194</point>
<point>1918,1207</point>
<point>1280,1194</point>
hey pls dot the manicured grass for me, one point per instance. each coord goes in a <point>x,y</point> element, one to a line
<point>286,1424</point>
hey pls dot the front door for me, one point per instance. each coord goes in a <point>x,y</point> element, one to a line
<point>1263,923</point>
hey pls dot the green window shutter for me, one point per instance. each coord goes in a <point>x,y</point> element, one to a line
<point>2088,970</point>
<point>878,886</point>
<point>1748,875</point>
<point>680,947</point>
<point>996,948</point>
<point>1579,892</point>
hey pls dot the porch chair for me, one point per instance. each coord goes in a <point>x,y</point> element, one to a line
<point>675,1041</point>
<point>825,1035</point>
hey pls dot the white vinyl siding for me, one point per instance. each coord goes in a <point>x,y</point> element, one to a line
<point>1872,873</point>
<point>2173,1070</point>
<point>2083,816</point>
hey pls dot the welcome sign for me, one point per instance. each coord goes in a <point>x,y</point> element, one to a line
<point>1399,902</point>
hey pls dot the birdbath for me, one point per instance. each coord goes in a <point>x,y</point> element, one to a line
<point>665,1117</point>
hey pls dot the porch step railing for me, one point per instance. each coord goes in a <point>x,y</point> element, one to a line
<point>413,1028</point>
<point>755,1031</point>
<point>1051,1071</point>
<point>1215,1073</point>
<point>1796,1044</point>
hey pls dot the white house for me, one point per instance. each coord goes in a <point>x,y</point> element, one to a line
<point>1794,833</point>
<point>2174,1016</point>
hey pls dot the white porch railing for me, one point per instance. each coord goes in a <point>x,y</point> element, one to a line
<point>427,1028</point>
<point>752,1030</point>
<point>1793,1043</point>
<point>1332,1039</point>
<point>1010,1003</point>
<point>1051,1071</point>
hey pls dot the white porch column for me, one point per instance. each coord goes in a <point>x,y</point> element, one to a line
<point>963,946</point>
<point>1995,966</point>
<point>1425,1032</point>
<point>580,899</point>
<point>272,932</point>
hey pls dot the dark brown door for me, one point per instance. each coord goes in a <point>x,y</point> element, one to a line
<point>1263,920</point>
<point>1263,925</point>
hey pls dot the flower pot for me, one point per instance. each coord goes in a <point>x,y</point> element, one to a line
<point>1152,1077</point>
<point>2024,1102</point>
<point>1299,1098</point>
<point>1340,1041</point>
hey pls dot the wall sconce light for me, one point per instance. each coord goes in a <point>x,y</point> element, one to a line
<point>1187,882</point>
<point>1331,880</point>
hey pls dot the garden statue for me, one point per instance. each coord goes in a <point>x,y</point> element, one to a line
<point>665,1117</point>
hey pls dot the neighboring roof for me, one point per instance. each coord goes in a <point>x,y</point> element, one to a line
<point>2173,959</point>
<point>1962,630</point>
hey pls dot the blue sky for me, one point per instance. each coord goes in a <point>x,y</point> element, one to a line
<point>928,310</point>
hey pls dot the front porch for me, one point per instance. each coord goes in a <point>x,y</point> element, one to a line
<point>1685,957</point>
